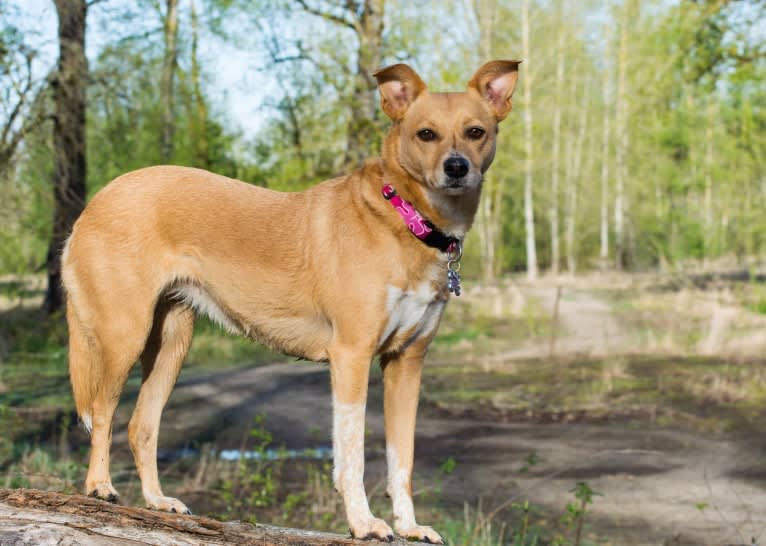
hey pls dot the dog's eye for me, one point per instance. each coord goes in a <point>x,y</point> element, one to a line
<point>426,135</point>
<point>475,133</point>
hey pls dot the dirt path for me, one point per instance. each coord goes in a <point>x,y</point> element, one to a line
<point>658,486</point>
<point>585,325</point>
<point>652,480</point>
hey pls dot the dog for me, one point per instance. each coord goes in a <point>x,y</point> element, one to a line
<point>356,267</point>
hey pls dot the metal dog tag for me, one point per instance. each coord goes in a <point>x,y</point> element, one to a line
<point>455,252</point>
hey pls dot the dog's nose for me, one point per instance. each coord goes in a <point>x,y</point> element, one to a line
<point>456,167</point>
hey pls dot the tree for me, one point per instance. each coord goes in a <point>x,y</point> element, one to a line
<point>365,19</point>
<point>556,153</point>
<point>605,154</point>
<point>529,211</point>
<point>69,85</point>
<point>169,63</point>
<point>489,217</point>
<point>23,95</point>
<point>621,131</point>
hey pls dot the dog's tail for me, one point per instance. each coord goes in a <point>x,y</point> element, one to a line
<point>83,367</point>
<point>84,351</point>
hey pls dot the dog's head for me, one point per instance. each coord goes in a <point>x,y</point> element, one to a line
<point>446,141</point>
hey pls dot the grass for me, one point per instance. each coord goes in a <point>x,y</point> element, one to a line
<point>705,393</point>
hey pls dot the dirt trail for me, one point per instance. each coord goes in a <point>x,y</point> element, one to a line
<point>659,486</point>
<point>585,324</point>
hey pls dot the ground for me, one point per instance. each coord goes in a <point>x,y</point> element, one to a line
<point>522,410</point>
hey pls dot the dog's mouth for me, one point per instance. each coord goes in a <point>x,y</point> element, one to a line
<point>455,187</point>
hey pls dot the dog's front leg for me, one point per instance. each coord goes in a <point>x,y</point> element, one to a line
<point>401,381</point>
<point>350,372</point>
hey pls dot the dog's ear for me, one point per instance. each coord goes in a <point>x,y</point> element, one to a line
<point>495,82</point>
<point>399,86</point>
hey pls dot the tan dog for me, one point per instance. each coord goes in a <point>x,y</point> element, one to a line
<point>337,273</point>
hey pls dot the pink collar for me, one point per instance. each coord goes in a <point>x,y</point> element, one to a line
<point>419,226</point>
<point>430,235</point>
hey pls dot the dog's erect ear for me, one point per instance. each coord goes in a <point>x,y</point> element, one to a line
<point>495,81</point>
<point>399,86</point>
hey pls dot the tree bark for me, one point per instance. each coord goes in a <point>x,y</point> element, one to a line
<point>69,86</point>
<point>169,63</point>
<point>28,516</point>
<point>529,211</point>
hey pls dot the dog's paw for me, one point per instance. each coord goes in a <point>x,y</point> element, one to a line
<point>421,533</point>
<point>373,528</point>
<point>167,504</point>
<point>103,490</point>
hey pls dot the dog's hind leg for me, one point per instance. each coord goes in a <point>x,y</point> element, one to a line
<point>161,361</point>
<point>401,384</point>
<point>350,370</point>
<point>117,358</point>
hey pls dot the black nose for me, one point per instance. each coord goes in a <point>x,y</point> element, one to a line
<point>456,167</point>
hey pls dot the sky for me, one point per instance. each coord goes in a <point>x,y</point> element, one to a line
<point>237,88</point>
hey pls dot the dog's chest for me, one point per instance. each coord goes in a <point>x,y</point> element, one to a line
<point>412,313</point>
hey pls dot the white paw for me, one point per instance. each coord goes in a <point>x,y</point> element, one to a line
<point>421,533</point>
<point>102,490</point>
<point>372,528</point>
<point>166,504</point>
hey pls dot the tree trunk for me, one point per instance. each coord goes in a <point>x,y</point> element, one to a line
<point>199,119</point>
<point>28,516</point>
<point>621,131</point>
<point>574,180</point>
<point>556,156</point>
<point>362,131</point>
<point>169,63</point>
<point>529,212</point>
<point>604,253</point>
<point>708,206</point>
<point>489,220</point>
<point>69,87</point>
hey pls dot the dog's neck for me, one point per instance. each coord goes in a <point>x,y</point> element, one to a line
<point>454,215</point>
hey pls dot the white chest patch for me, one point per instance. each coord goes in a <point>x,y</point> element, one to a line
<point>408,309</point>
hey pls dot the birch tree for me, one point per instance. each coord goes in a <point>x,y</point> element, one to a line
<point>605,153</point>
<point>529,211</point>
<point>621,135</point>
<point>573,178</point>
<point>489,219</point>
<point>556,152</point>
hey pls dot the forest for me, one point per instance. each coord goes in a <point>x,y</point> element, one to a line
<point>618,245</point>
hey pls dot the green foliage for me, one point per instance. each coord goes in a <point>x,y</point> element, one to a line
<point>574,515</point>
<point>252,485</point>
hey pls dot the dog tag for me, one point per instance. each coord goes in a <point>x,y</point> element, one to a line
<point>453,281</point>
<point>454,253</point>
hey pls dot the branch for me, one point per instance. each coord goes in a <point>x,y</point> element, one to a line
<point>329,16</point>
<point>31,517</point>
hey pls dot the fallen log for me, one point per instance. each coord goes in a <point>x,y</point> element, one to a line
<point>41,518</point>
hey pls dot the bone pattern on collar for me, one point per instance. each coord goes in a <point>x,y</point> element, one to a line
<point>416,224</point>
